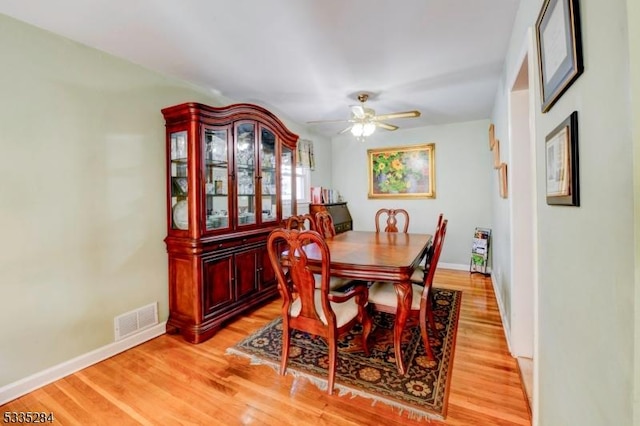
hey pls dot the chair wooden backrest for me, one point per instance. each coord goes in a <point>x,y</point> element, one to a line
<point>426,314</point>
<point>429,254</point>
<point>308,308</point>
<point>324,224</point>
<point>392,220</point>
<point>301,222</point>
<point>436,249</point>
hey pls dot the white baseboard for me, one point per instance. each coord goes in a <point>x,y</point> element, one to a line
<point>455,266</point>
<point>23,386</point>
<point>505,324</point>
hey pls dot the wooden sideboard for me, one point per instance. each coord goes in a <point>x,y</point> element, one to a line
<point>339,213</point>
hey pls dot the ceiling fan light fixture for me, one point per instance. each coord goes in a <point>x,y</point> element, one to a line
<point>362,130</point>
<point>365,119</point>
<point>357,129</point>
<point>368,129</point>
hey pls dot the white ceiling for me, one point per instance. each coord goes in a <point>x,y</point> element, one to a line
<point>305,59</point>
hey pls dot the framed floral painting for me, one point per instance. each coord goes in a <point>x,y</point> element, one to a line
<point>402,172</point>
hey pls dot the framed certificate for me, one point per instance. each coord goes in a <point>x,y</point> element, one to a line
<point>559,49</point>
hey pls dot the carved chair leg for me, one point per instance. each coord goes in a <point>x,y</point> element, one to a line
<point>333,355</point>
<point>286,338</point>
<point>424,313</point>
<point>429,310</point>
<point>365,320</point>
<point>425,339</point>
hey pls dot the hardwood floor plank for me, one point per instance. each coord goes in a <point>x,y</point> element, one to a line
<point>169,381</point>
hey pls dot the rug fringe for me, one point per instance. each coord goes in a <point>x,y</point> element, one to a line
<point>343,390</point>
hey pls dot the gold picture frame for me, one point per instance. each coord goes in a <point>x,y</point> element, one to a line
<point>502,177</point>
<point>402,172</point>
<point>496,154</point>
<point>492,136</point>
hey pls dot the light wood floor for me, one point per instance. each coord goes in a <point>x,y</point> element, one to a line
<point>169,382</point>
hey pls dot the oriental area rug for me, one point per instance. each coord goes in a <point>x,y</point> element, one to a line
<point>421,393</point>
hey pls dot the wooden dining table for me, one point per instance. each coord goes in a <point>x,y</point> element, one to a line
<point>377,256</point>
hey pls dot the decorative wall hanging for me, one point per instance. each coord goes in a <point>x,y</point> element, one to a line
<point>494,145</point>
<point>559,48</point>
<point>496,154</point>
<point>305,154</point>
<point>502,178</point>
<point>561,153</point>
<point>402,172</point>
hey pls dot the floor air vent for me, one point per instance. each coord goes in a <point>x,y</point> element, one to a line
<point>132,322</point>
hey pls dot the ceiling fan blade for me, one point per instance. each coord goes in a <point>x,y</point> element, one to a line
<point>357,111</point>
<point>329,121</point>
<point>345,130</point>
<point>406,114</point>
<point>386,126</point>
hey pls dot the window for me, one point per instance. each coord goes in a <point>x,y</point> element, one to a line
<point>303,185</point>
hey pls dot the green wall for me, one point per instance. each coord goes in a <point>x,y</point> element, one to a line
<point>82,166</point>
<point>83,204</point>
<point>464,172</point>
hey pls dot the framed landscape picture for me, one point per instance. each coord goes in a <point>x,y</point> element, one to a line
<point>402,172</point>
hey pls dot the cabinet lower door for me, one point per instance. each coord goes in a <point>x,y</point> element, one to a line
<point>246,266</point>
<point>267,275</point>
<point>217,283</point>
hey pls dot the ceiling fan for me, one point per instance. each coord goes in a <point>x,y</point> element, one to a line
<point>365,121</point>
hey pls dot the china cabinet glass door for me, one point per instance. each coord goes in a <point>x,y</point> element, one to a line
<point>216,176</point>
<point>246,173</point>
<point>179,182</point>
<point>286,182</point>
<point>268,199</point>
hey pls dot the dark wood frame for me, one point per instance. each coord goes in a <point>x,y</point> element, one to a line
<point>569,69</point>
<point>572,198</point>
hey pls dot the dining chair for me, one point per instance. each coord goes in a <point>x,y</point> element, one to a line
<point>391,219</point>
<point>314,310</point>
<point>382,295</point>
<point>301,222</point>
<point>418,274</point>
<point>324,224</point>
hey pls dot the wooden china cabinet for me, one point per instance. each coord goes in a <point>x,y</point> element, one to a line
<point>229,183</point>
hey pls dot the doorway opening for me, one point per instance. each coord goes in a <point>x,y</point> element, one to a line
<point>523,224</point>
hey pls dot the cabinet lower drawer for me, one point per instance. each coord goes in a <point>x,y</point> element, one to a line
<point>343,227</point>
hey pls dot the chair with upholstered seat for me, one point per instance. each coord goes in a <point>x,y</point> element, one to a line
<point>419,273</point>
<point>391,216</point>
<point>314,310</point>
<point>325,227</point>
<point>324,224</point>
<point>383,297</point>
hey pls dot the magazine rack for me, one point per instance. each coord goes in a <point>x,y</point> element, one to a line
<point>480,251</point>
